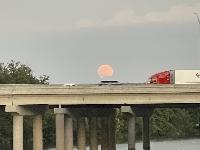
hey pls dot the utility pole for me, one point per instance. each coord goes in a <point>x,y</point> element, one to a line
<point>198,124</point>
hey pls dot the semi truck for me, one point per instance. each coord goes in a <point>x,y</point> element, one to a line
<point>176,77</point>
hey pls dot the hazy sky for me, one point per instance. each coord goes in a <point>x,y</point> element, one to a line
<point>69,39</point>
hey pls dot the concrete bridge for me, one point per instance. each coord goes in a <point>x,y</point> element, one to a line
<point>92,101</point>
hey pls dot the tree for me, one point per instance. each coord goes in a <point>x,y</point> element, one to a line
<point>174,123</point>
<point>16,73</point>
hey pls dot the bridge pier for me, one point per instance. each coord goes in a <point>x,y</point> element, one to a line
<point>108,139</point>
<point>104,134</point>
<point>60,142</point>
<point>64,129</point>
<point>142,112</point>
<point>93,133</point>
<point>37,133</point>
<point>17,132</point>
<point>111,129</point>
<point>68,133</point>
<point>81,139</point>
<point>145,113</point>
<point>131,126</point>
<point>131,132</point>
<point>107,124</point>
<point>146,138</point>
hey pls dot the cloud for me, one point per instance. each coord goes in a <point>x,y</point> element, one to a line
<point>86,23</point>
<point>51,16</point>
<point>175,14</point>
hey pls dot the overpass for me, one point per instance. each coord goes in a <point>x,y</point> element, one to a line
<point>90,100</point>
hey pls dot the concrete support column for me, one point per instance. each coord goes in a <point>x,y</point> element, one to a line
<point>60,144</point>
<point>131,112</point>
<point>104,134</point>
<point>68,133</point>
<point>81,134</point>
<point>146,138</point>
<point>131,132</point>
<point>93,133</point>
<point>37,133</point>
<point>17,132</point>
<point>111,127</point>
<point>64,129</point>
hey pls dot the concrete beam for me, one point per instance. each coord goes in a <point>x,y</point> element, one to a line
<point>127,109</point>
<point>123,94</point>
<point>29,110</point>
<point>89,111</point>
<point>143,111</point>
<point>66,111</point>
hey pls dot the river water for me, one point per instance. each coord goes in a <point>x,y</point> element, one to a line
<point>189,144</point>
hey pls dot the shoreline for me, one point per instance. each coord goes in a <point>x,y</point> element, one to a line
<point>166,139</point>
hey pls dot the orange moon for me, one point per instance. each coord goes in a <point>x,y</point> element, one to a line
<point>105,71</point>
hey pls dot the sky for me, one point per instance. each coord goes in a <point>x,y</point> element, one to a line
<point>69,39</point>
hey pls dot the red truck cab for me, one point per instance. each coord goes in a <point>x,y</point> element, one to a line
<point>161,78</point>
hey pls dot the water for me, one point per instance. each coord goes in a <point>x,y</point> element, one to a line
<point>191,144</point>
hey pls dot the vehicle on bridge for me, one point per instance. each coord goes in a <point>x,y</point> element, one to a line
<point>176,77</point>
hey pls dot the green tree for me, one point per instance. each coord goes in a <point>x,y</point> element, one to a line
<point>17,73</point>
<point>174,123</point>
<point>195,119</point>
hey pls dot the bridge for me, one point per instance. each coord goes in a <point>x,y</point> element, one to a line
<point>90,100</point>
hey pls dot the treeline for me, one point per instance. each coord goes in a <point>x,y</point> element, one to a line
<point>164,123</point>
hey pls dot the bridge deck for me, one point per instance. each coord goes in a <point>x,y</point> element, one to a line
<point>82,94</point>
